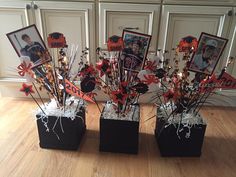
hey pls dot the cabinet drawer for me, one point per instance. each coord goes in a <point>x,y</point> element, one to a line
<point>114,18</point>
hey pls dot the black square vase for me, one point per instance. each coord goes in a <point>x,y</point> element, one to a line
<point>119,136</point>
<point>170,145</point>
<point>57,139</point>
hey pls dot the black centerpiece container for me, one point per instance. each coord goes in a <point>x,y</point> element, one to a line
<point>120,136</point>
<point>173,144</point>
<point>64,133</point>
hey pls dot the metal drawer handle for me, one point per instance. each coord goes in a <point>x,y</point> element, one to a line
<point>35,6</point>
<point>28,6</point>
<point>128,28</point>
<point>230,13</point>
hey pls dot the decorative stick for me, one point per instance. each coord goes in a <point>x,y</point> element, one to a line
<point>37,103</point>
<point>209,93</point>
<point>199,107</point>
<point>54,85</point>
<point>133,114</point>
<point>38,94</point>
<point>165,109</point>
<point>73,57</point>
<point>64,100</point>
<point>77,107</point>
<point>97,104</point>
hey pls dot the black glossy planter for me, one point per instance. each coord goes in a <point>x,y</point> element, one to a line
<point>69,140</point>
<point>119,136</point>
<point>171,145</point>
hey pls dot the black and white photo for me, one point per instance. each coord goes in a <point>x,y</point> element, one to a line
<point>135,50</point>
<point>28,42</point>
<point>208,53</point>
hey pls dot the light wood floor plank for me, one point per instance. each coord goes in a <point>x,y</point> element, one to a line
<point>20,154</point>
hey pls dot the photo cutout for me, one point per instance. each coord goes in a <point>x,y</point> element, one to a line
<point>135,50</point>
<point>28,42</point>
<point>208,53</point>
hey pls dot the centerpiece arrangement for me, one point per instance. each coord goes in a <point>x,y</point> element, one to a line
<point>61,121</point>
<point>119,68</point>
<point>123,72</point>
<point>180,128</point>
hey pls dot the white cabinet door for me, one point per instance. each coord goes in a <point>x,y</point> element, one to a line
<point>13,15</point>
<point>114,17</point>
<point>180,21</point>
<point>232,45</point>
<point>201,2</point>
<point>74,19</point>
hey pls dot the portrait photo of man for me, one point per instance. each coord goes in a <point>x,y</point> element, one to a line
<point>133,56</point>
<point>34,50</point>
<point>28,42</point>
<point>208,54</point>
<point>135,50</point>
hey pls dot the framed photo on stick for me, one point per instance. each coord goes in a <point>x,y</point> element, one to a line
<point>135,50</point>
<point>208,53</point>
<point>28,42</point>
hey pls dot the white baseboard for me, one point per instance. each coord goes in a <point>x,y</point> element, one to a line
<point>222,98</point>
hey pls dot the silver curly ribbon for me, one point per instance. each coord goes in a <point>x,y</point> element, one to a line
<point>187,120</point>
<point>42,117</point>
<point>69,111</point>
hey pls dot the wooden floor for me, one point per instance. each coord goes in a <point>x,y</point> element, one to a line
<point>20,154</point>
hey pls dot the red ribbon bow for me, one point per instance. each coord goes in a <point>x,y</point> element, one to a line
<point>150,78</point>
<point>151,65</point>
<point>25,69</point>
<point>119,97</point>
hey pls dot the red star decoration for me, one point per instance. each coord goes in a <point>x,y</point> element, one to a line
<point>104,67</point>
<point>24,69</point>
<point>140,88</point>
<point>168,95</point>
<point>27,89</point>
<point>150,78</point>
<point>133,94</point>
<point>119,97</point>
<point>151,65</point>
<point>171,94</point>
<point>124,84</point>
<point>87,70</point>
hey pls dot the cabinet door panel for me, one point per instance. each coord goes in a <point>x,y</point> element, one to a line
<point>75,20</point>
<point>232,68</point>
<point>59,21</point>
<point>12,19</point>
<point>180,21</point>
<point>117,21</point>
<point>13,16</point>
<point>232,45</point>
<point>200,2</point>
<point>114,17</point>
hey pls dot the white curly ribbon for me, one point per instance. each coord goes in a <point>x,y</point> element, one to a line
<point>44,117</point>
<point>110,113</point>
<point>72,107</point>
<point>188,120</point>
